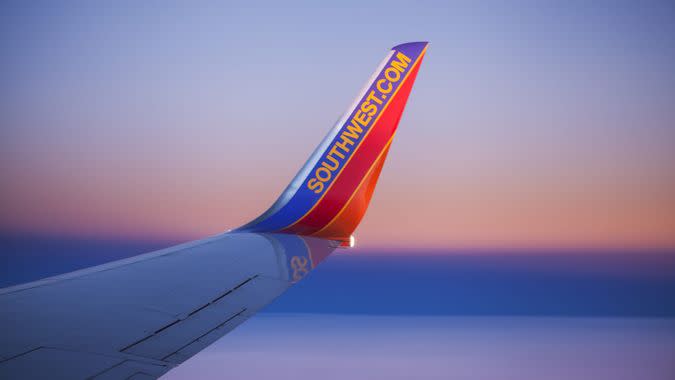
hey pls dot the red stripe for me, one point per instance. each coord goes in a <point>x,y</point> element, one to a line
<point>358,167</point>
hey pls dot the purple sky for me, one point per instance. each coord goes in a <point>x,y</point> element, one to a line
<point>307,346</point>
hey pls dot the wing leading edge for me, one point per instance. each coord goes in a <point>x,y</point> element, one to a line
<point>146,314</point>
<point>139,317</point>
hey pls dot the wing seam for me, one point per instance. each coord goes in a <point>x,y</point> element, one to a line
<point>206,333</point>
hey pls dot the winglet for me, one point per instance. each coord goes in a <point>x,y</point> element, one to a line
<point>330,195</point>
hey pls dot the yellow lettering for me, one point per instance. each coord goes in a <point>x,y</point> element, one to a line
<point>362,118</point>
<point>402,62</point>
<point>368,108</point>
<point>314,185</point>
<point>374,98</point>
<point>334,151</point>
<point>392,74</point>
<point>353,130</point>
<point>380,86</point>
<point>324,170</point>
<point>343,144</point>
<point>332,159</point>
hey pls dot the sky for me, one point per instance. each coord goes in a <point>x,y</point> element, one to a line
<point>540,135</point>
<point>530,125</point>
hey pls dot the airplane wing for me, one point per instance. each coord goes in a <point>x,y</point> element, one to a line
<point>139,317</point>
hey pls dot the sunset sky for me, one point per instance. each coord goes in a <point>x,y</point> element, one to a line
<point>523,226</point>
<point>528,126</point>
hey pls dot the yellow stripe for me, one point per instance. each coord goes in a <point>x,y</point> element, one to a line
<point>361,143</point>
<point>359,186</point>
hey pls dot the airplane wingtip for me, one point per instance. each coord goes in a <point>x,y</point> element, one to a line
<point>416,46</point>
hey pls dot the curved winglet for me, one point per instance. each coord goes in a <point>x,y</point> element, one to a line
<point>330,195</point>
